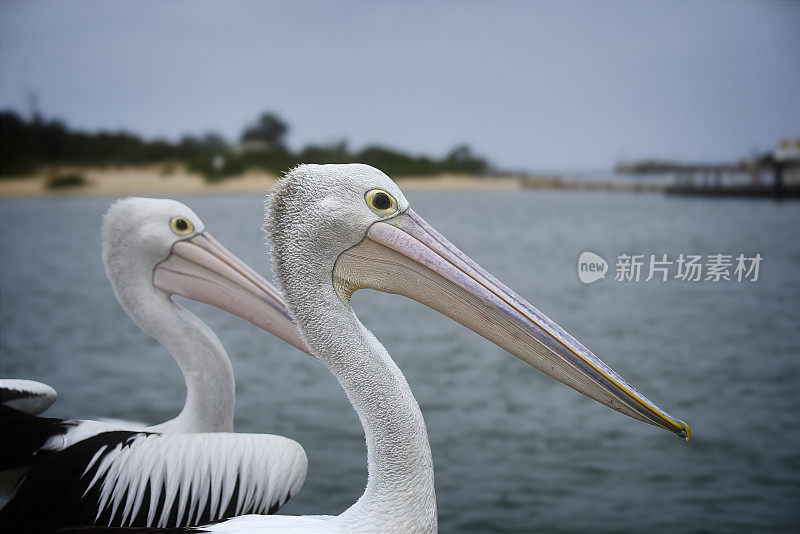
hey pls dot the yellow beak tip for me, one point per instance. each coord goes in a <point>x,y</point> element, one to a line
<point>687,432</point>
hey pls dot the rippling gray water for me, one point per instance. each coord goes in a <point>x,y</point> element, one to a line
<point>514,450</point>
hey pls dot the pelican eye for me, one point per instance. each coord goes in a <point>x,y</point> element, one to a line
<point>180,226</point>
<point>381,202</point>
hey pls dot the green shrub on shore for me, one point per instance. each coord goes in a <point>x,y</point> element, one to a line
<point>66,181</point>
<point>31,144</point>
<point>216,167</point>
<point>168,169</point>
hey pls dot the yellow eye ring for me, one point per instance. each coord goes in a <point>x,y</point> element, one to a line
<point>381,202</point>
<point>181,226</point>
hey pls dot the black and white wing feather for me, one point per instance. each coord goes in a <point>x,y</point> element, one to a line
<point>157,480</point>
<point>27,396</point>
<point>23,436</point>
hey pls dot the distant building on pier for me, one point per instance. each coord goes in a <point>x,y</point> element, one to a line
<point>772,174</point>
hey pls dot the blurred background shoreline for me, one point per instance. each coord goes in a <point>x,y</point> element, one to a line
<point>148,180</point>
<point>44,156</point>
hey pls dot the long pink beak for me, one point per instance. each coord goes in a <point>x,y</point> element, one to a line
<point>201,269</point>
<point>406,256</point>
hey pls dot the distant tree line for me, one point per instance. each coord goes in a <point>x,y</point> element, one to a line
<point>26,145</point>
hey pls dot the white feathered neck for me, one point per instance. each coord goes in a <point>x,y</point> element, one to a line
<point>135,239</point>
<point>400,495</point>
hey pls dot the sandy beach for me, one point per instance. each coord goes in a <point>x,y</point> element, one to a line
<point>151,181</point>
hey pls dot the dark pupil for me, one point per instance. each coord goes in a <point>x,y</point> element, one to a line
<point>381,201</point>
<point>181,225</point>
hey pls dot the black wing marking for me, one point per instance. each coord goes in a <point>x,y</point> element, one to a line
<point>110,479</point>
<point>52,493</point>
<point>9,394</point>
<point>22,436</point>
<point>130,530</point>
<point>27,396</point>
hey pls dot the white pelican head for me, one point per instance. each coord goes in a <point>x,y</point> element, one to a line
<point>159,246</point>
<point>351,226</point>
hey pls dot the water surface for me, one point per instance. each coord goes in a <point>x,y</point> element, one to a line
<point>514,450</point>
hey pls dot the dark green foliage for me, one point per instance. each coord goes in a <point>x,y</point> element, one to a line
<point>397,163</point>
<point>27,145</point>
<point>461,160</point>
<point>65,181</point>
<point>168,169</point>
<point>216,167</point>
<point>268,133</point>
<point>276,160</point>
<point>335,153</point>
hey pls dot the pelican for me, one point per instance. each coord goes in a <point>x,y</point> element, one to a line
<point>335,229</point>
<point>191,468</point>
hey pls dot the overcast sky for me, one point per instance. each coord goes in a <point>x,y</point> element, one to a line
<point>530,85</point>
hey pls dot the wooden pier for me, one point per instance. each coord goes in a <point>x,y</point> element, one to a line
<point>772,175</point>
